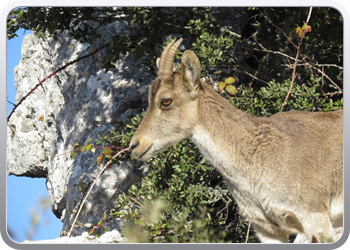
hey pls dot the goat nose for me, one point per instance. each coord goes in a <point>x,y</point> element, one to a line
<point>133,145</point>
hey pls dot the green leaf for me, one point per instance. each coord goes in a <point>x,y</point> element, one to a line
<point>183,166</point>
<point>205,35</point>
<point>221,86</point>
<point>231,90</point>
<point>13,127</point>
<point>107,151</point>
<point>99,160</point>
<point>331,102</point>
<point>89,140</point>
<point>72,154</point>
<point>177,169</point>
<point>230,80</point>
<point>204,168</point>
<point>306,28</point>
<point>299,31</point>
<point>20,14</point>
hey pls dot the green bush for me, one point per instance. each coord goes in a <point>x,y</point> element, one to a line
<point>240,41</point>
<point>183,193</point>
<point>268,100</point>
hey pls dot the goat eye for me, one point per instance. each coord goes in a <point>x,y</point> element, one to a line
<point>166,101</point>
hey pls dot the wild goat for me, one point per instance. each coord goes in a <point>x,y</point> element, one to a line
<point>285,172</point>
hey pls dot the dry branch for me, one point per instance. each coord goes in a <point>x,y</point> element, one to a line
<point>295,62</point>
<point>90,188</point>
<point>53,74</point>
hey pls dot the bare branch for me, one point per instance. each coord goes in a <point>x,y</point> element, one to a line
<point>319,71</point>
<point>254,77</point>
<point>11,103</point>
<point>329,65</point>
<point>135,201</point>
<point>91,186</point>
<point>246,239</point>
<point>308,17</point>
<point>276,52</point>
<point>295,65</point>
<point>53,74</point>
<point>270,21</point>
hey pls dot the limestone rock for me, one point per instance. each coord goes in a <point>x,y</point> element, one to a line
<point>108,237</point>
<point>76,104</point>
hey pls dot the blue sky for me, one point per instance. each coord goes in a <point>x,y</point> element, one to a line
<point>23,193</point>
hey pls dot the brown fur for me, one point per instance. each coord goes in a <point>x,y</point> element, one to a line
<point>285,172</point>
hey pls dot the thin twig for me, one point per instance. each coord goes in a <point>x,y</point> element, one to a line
<point>91,186</point>
<point>254,77</point>
<point>275,52</point>
<point>318,70</point>
<point>336,93</point>
<point>251,83</point>
<point>270,21</point>
<point>295,64</point>
<point>13,132</point>
<point>135,201</point>
<point>329,65</point>
<point>234,34</point>
<point>53,74</point>
<point>308,64</point>
<point>308,17</point>
<point>11,103</point>
<point>293,78</point>
<point>28,94</point>
<point>246,239</point>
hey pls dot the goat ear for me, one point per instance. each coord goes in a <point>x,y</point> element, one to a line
<point>191,69</point>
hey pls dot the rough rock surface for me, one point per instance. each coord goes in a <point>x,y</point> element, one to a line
<point>108,237</point>
<point>76,104</point>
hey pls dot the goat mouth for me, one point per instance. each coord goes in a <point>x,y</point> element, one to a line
<point>144,153</point>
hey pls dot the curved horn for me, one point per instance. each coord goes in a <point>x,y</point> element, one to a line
<point>167,59</point>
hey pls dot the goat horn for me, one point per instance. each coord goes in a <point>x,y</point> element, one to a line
<point>167,59</point>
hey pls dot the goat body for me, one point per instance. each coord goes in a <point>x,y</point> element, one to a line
<point>285,172</point>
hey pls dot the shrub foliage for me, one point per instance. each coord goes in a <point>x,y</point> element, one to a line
<point>184,195</point>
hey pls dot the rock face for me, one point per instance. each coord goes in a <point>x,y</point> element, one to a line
<point>76,104</point>
<point>108,237</point>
